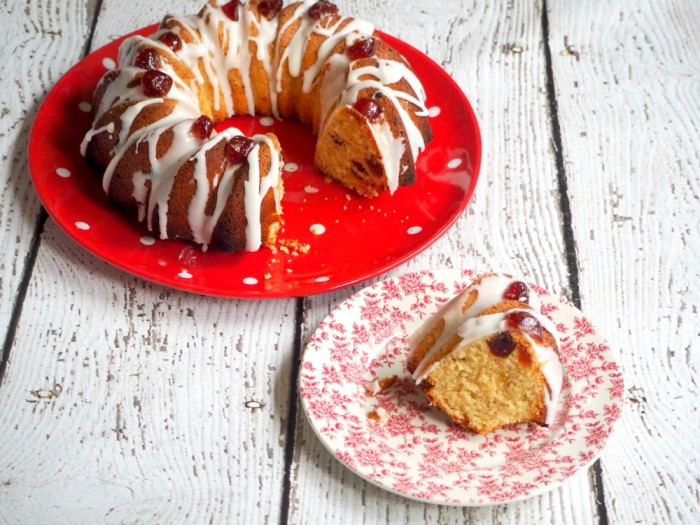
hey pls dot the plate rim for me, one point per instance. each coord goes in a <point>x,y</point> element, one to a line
<point>442,275</point>
<point>171,281</point>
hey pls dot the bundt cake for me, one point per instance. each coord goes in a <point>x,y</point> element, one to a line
<point>152,134</point>
<point>489,358</point>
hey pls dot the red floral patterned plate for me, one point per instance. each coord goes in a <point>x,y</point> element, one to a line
<point>397,441</point>
<point>389,230</point>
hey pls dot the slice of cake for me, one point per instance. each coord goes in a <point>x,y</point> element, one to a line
<point>489,358</point>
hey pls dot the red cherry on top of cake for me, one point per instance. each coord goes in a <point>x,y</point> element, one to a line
<point>171,40</point>
<point>321,9</point>
<point>201,128</point>
<point>147,59</point>
<point>368,108</point>
<point>517,291</point>
<point>270,8</point>
<point>238,148</point>
<point>230,9</point>
<point>156,83</point>
<point>362,48</point>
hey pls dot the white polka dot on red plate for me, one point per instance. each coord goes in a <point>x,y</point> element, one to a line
<point>454,163</point>
<point>311,189</point>
<point>63,172</point>
<point>317,229</point>
<point>82,225</point>
<point>185,274</point>
<point>434,111</point>
<point>414,229</point>
<point>109,63</point>
<point>85,106</point>
<point>267,121</point>
<point>323,279</point>
<point>250,281</point>
<point>291,166</point>
<point>147,240</point>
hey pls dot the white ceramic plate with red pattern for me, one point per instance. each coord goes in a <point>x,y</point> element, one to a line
<point>396,440</point>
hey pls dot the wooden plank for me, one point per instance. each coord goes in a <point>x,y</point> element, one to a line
<point>494,51</point>
<point>38,45</point>
<point>171,407</point>
<point>626,79</point>
<point>168,404</point>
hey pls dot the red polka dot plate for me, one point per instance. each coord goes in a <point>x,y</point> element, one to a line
<point>396,440</point>
<point>350,239</point>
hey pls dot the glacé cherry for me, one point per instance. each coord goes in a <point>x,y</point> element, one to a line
<point>502,344</point>
<point>525,322</point>
<point>171,40</point>
<point>369,108</point>
<point>269,8</point>
<point>238,148</point>
<point>201,128</point>
<point>147,59</point>
<point>517,291</point>
<point>362,48</point>
<point>322,8</point>
<point>156,83</point>
<point>231,9</point>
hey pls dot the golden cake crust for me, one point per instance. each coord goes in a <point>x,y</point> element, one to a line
<point>257,80</point>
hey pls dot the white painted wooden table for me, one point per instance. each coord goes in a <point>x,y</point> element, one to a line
<point>175,408</point>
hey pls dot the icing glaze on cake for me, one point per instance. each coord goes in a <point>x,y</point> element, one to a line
<point>253,57</point>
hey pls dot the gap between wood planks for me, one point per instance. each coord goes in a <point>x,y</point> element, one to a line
<point>573,284</point>
<point>36,241</point>
<point>571,260</point>
<point>293,413</point>
<point>596,472</point>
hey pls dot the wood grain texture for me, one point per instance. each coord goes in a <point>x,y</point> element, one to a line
<point>171,408</point>
<point>136,403</point>
<point>39,42</point>
<point>125,402</point>
<point>627,83</point>
<point>512,224</point>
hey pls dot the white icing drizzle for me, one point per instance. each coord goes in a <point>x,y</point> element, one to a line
<point>471,326</point>
<point>109,128</point>
<point>293,54</point>
<point>490,290</point>
<point>385,73</point>
<point>352,31</point>
<point>264,40</point>
<point>201,224</point>
<point>256,187</point>
<point>212,47</point>
<point>391,149</point>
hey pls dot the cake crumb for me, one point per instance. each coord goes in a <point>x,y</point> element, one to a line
<point>379,415</point>
<point>294,247</point>
<point>374,387</point>
<point>268,275</point>
<point>386,382</point>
